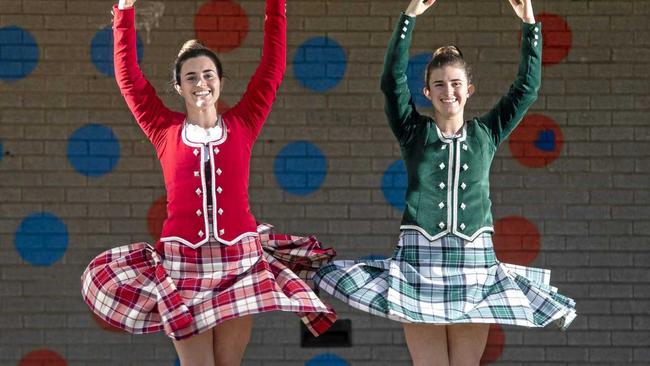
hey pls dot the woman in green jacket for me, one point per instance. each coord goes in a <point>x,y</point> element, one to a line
<point>444,282</point>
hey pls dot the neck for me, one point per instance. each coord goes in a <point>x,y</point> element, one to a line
<point>449,126</point>
<point>204,117</point>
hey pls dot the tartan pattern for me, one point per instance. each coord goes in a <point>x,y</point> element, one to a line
<point>186,291</point>
<point>447,281</point>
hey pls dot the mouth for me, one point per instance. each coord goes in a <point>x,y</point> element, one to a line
<point>202,93</point>
<point>448,100</point>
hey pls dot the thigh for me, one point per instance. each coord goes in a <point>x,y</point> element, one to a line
<point>427,344</point>
<point>466,343</point>
<point>230,340</point>
<point>196,350</point>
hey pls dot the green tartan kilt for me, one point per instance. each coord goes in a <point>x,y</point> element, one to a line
<point>447,281</point>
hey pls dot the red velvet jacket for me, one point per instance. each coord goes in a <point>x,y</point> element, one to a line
<point>181,160</point>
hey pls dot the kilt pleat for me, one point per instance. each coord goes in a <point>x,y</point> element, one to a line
<point>447,281</point>
<point>186,291</point>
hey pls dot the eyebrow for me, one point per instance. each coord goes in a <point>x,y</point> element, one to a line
<point>206,70</point>
<point>440,81</point>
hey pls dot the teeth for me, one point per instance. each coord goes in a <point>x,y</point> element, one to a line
<point>202,94</point>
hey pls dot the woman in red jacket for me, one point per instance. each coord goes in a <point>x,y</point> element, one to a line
<point>209,272</point>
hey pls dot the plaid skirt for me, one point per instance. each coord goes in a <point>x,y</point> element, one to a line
<point>447,281</point>
<point>186,291</point>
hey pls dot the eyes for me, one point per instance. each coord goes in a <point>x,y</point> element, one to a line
<point>454,84</point>
<point>208,76</point>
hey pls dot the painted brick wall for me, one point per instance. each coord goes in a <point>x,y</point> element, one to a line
<point>587,202</point>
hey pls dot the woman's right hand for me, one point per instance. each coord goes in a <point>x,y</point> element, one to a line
<point>417,7</point>
<point>125,4</point>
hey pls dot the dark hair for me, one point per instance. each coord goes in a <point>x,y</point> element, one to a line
<point>447,56</point>
<point>191,49</point>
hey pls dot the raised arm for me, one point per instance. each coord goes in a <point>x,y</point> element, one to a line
<point>511,108</point>
<point>255,105</point>
<point>147,108</point>
<point>398,104</point>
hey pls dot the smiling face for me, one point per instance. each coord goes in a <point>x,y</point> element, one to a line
<point>200,84</point>
<point>448,90</point>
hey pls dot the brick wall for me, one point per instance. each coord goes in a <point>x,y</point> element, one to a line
<point>590,205</point>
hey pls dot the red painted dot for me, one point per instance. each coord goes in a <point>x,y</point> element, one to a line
<point>494,347</point>
<point>537,141</point>
<point>105,325</point>
<point>221,25</point>
<point>156,216</point>
<point>42,357</point>
<point>557,38</point>
<point>516,240</point>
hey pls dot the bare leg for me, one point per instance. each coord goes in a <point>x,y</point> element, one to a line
<point>466,343</point>
<point>230,340</point>
<point>196,350</point>
<point>427,344</point>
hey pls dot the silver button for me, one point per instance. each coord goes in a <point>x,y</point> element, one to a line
<point>219,171</point>
<point>444,147</point>
<point>216,150</point>
<point>402,36</point>
<point>536,36</point>
<point>198,191</point>
<point>200,233</point>
<point>462,206</point>
<point>222,231</point>
<point>441,205</point>
<point>220,211</point>
<point>462,226</point>
<point>465,166</point>
<point>441,185</point>
<point>196,152</point>
<point>406,21</point>
<point>403,29</point>
<point>442,166</point>
<point>536,29</point>
<point>199,212</point>
<point>441,225</point>
<point>197,173</point>
<point>219,190</point>
<point>464,147</point>
<point>463,185</point>
<point>535,43</point>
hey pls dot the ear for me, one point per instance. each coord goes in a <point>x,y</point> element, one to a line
<point>178,88</point>
<point>470,90</point>
<point>426,92</point>
<point>221,82</point>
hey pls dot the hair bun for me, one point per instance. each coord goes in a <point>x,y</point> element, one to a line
<point>190,45</point>
<point>452,51</point>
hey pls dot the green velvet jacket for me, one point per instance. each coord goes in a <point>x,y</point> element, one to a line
<point>448,178</point>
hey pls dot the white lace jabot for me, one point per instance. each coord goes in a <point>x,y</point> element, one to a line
<point>198,134</point>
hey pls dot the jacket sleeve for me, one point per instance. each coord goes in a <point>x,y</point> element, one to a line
<point>511,108</point>
<point>140,96</point>
<point>255,105</point>
<point>398,103</point>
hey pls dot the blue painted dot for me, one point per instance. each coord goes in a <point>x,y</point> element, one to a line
<point>415,77</point>
<point>93,150</point>
<point>393,184</point>
<point>326,359</point>
<point>101,51</point>
<point>19,53</point>
<point>300,168</point>
<point>41,239</point>
<point>545,140</point>
<point>177,362</point>
<point>319,64</point>
<point>2,151</point>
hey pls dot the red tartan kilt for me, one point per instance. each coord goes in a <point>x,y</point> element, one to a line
<point>186,291</point>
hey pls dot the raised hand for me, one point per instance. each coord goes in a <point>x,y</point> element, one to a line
<point>417,7</point>
<point>124,4</point>
<point>524,10</point>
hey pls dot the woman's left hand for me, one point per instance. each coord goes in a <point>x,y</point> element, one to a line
<point>524,10</point>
